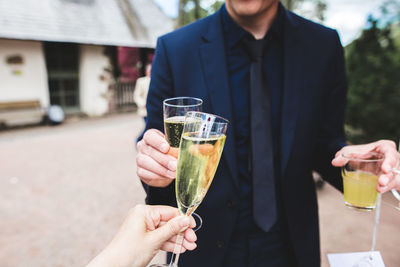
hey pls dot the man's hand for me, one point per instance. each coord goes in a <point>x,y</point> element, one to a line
<point>143,233</point>
<point>387,180</point>
<point>155,166</point>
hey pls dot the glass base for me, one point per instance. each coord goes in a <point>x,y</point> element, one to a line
<point>369,208</point>
<point>159,265</point>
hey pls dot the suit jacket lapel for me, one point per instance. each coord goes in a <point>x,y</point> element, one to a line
<point>293,58</point>
<point>212,54</point>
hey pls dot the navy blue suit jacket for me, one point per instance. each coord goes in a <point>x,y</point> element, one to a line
<point>191,62</point>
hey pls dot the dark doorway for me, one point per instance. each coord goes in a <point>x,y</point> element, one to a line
<point>62,61</point>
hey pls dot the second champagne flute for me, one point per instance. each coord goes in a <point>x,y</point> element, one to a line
<point>174,110</point>
<point>203,141</point>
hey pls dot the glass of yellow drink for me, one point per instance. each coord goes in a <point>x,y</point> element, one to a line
<point>360,179</point>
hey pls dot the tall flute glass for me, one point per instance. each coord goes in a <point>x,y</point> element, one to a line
<point>360,179</point>
<point>200,150</point>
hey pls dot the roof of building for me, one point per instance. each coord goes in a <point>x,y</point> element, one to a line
<point>100,22</point>
<point>153,19</point>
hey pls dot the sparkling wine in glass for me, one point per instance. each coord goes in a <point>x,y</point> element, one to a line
<point>200,150</point>
<point>174,110</point>
<point>201,147</point>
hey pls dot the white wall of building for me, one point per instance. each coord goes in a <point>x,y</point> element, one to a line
<point>26,81</point>
<point>93,88</point>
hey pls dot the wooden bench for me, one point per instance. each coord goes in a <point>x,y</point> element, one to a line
<point>13,113</point>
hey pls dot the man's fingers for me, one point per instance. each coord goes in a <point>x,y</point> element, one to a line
<point>158,182</point>
<point>339,161</point>
<point>390,162</point>
<point>156,139</point>
<point>388,148</point>
<point>147,163</point>
<point>387,183</point>
<point>166,160</point>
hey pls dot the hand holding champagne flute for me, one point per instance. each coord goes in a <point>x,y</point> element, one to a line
<point>201,147</point>
<point>157,153</point>
<point>202,143</point>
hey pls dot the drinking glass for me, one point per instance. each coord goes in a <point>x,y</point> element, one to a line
<point>200,149</point>
<point>174,110</point>
<point>360,179</point>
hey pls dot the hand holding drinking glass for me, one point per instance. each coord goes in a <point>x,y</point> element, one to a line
<point>145,230</point>
<point>200,150</point>
<point>386,179</point>
<point>156,158</point>
<point>367,172</point>
<point>155,167</point>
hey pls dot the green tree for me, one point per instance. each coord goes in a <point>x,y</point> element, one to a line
<point>192,10</point>
<point>373,107</point>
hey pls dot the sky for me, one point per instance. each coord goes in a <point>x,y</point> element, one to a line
<point>347,16</point>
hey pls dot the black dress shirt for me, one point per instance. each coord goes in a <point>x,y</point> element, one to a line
<point>238,66</point>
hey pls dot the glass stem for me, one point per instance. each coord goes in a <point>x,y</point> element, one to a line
<point>377,214</point>
<point>177,251</point>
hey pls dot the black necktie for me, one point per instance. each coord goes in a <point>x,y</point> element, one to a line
<point>262,164</point>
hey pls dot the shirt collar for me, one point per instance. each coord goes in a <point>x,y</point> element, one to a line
<point>234,33</point>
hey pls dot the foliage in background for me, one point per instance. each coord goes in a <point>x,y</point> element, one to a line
<point>317,12</point>
<point>192,10</point>
<point>373,68</point>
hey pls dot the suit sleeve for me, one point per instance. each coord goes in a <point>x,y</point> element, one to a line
<point>161,87</point>
<point>331,137</point>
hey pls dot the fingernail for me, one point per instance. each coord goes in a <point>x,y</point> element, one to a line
<point>164,148</point>
<point>172,165</point>
<point>184,222</point>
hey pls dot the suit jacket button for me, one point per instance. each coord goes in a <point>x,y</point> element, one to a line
<point>220,244</point>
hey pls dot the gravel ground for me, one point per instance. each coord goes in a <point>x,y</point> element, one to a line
<point>65,190</point>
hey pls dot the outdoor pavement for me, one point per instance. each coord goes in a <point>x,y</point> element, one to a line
<point>64,191</point>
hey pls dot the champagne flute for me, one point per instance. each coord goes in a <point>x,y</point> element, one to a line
<point>202,143</point>
<point>174,110</point>
<point>360,179</point>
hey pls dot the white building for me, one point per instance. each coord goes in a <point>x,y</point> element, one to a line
<point>61,52</point>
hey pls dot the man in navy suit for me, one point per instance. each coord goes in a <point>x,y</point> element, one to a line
<point>303,64</point>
